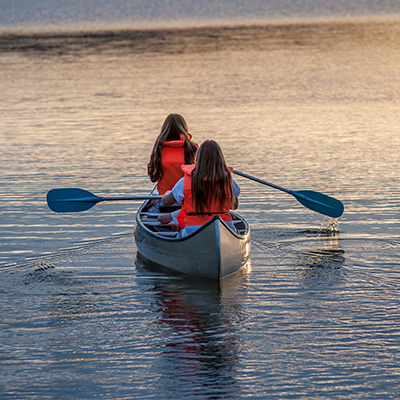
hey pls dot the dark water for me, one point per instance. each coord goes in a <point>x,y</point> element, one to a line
<point>305,106</point>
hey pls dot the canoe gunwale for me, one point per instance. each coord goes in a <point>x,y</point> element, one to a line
<point>191,235</point>
<point>188,237</point>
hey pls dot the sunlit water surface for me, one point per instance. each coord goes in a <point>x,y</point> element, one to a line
<point>305,106</point>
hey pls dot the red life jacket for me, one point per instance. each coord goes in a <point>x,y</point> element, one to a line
<point>172,157</point>
<point>191,217</point>
<point>181,219</point>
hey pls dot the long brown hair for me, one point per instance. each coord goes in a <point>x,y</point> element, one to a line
<point>211,178</point>
<point>173,127</point>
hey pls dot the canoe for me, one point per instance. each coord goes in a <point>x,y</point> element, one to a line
<point>214,251</point>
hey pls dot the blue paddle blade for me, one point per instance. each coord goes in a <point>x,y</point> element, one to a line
<point>319,202</point>
<point>71,200</point>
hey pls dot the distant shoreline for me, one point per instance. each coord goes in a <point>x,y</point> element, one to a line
<point>94,28</point>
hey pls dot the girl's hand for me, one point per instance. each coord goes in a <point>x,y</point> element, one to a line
<point>165,218</point>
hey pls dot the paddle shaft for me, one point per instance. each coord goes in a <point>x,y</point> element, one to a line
<point>313,200</point>
<point>261,181</point>
<point>97,199</point>
<point>293,193</point>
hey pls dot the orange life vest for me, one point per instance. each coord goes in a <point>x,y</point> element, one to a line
<point>172,157</point>
<point>191,217</point>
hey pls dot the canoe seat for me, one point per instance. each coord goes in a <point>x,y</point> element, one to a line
<point>148,215</point>
<point>156,223</point>
<point>161,228</point>
<point>169,230</point>
<point>162,209</point>
<point>168,234</point>
<point>240,226</point>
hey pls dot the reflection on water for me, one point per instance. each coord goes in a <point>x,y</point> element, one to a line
<point>329,256</point>
<point>201,349</point>
<point>322,265</point>
<point>198,321</point>
<point>324,258</point>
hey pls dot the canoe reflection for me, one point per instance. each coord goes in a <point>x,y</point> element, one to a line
<point>198,322</point>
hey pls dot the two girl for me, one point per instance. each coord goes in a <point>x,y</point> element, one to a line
<point>204,189</point>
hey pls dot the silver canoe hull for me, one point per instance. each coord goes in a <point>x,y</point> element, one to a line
<point>214,251</point>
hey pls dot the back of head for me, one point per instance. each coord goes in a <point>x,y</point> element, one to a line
<point>172,129</point>
<point>173,126</point>
<point>210,161</point>
<point>211,177</point>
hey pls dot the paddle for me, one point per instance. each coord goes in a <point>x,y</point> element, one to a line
<point>74,199</point>
<point>313,200</point>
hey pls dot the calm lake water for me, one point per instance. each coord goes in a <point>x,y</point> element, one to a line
<point>305,106</point>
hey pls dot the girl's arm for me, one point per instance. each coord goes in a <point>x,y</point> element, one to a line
<point>168,199</point>
<point>235,203</point>
<point>235,199</point>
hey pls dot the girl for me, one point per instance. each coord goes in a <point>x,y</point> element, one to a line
<point>172,148</point>
<point>206,190</point>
